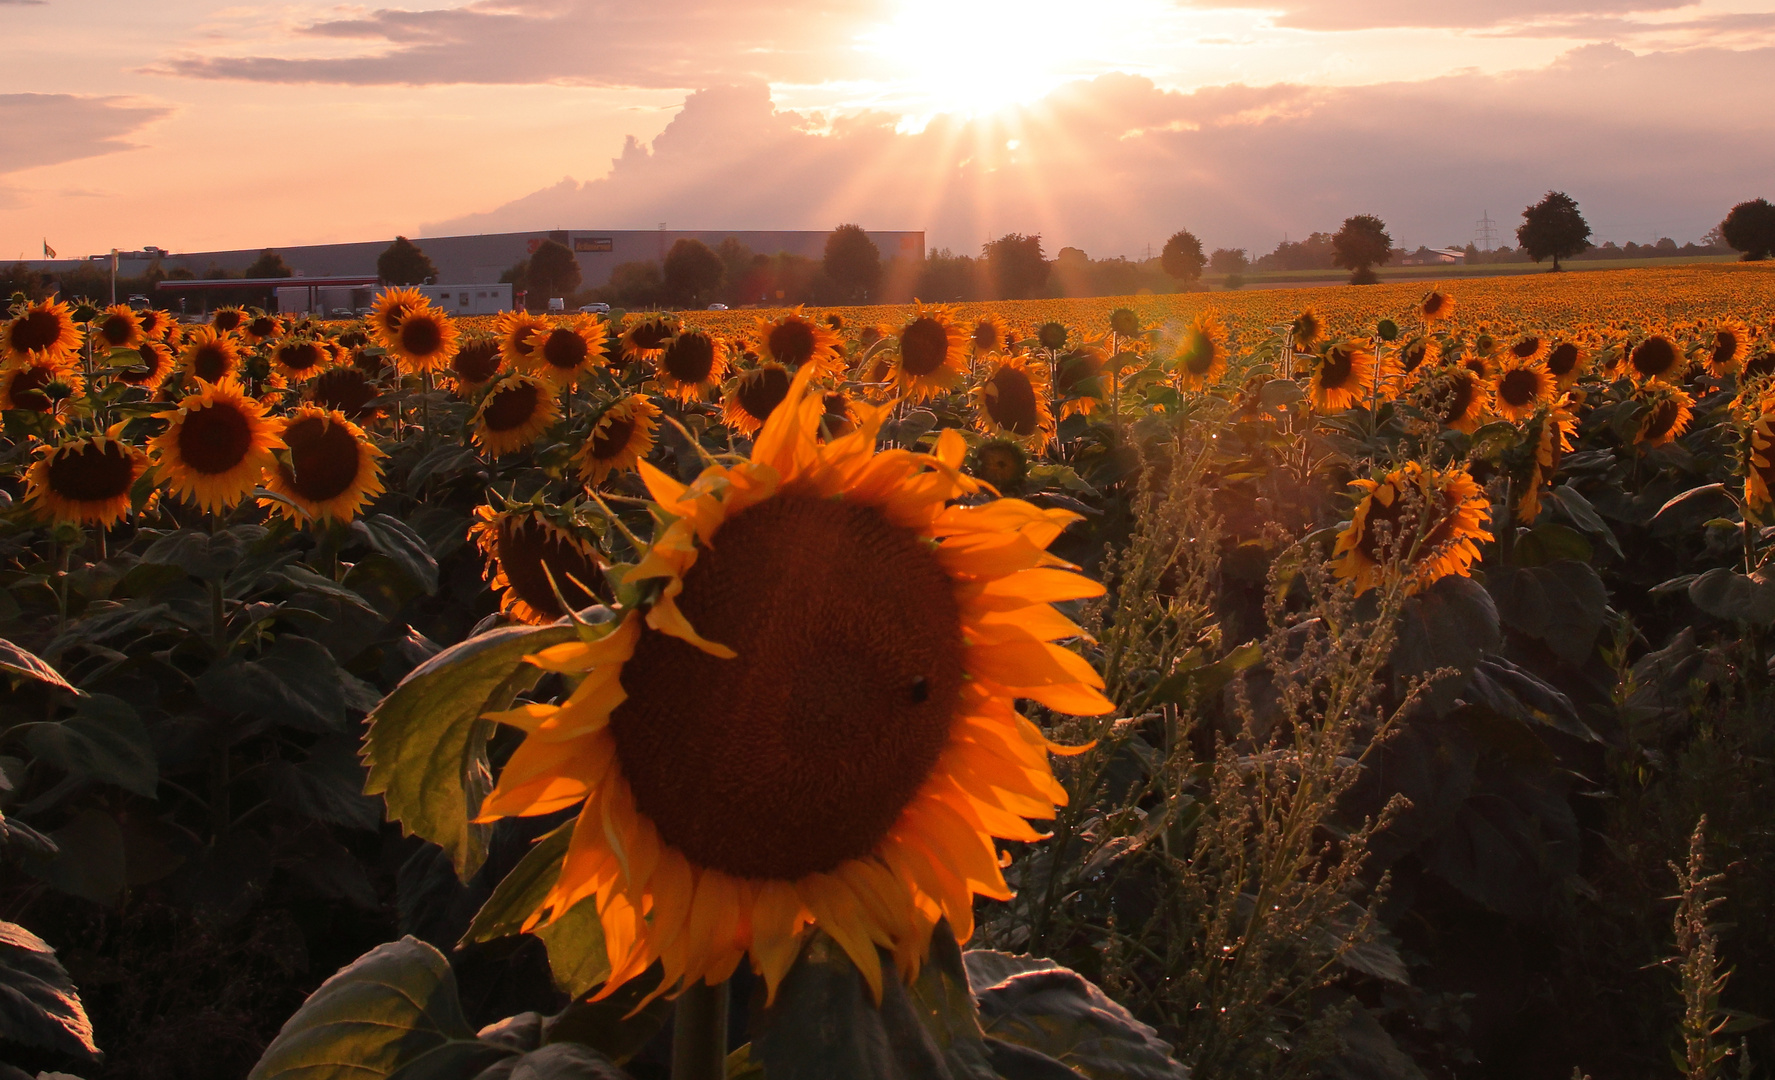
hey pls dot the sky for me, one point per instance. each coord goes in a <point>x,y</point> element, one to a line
<point>1100,124</point>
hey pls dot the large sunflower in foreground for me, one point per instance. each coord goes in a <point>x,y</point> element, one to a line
<point>1727,345</point>
<point>41,331</point>
<point>620,439</point>
<point>518,409</point>
<point>1521,388</point>
<point>794,340</point>
<point>1201,353</point>
<point>209,354</point>
<point>216,446</point>
<point>1011,402</point>
<point>85,481</point>
<point>933,355</point>
<point>525,550</point>
<point>330,471</point>
<point>1668,413</point>
<point>1344,377</point>
<point>754,396</point>
<point>809,719</point>
<point>1420,523</point>
<point>693,363</point>
<point>561,353</point>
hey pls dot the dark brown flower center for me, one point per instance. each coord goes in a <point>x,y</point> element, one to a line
<point>1398,524</point>
<point>35,330</point>
<point>90,474</point>
<point>212,360</point>
<point>262,327</point>
<point>1433,303</point>
<point>155,358</point>
<point>836,419</point>
<point>1339,366</point>
<point>1011,402</point>
<point>650,335</point>
<point>1412,357</point>
<point>801,752</point>
<point>986,336</point>
<point>689,357</point>
<point>612,435</point>
<point>1662,419</point>
<point>227,320</point>
<point>792,342</point>
<point>421,335</point>
<point>26,388</point>
<point>525,546</point>
<point>215,438</point>
<point>1654,356</point>
<point>924,345</point>
<point>1462,390</point>
<point>1076,372</point>
<point>1725,347</point>
<point>761,390</point>
<point>511,406</point>
<point>115,330</point>
<point>564,350</point>
<point>1519,388</point>
<point>324,459</point>
<point>300,356</point>
<point>1562,359</point>
<point>345,389</point>
<point>477,361</point>
<point>1526,347</point>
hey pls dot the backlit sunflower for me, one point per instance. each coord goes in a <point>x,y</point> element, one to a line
<point>331,469</point>
<point>1521,388</point>
<point>518,409</point>
<point>156,365</point>
<point>1422,524</point>
<point>561,353</point>
<point>40,385</point>
<point>347,389</point>
<point>838,415</point>
<point>524,550</point>
<point>216,446</point>
<point>620,439</point>
<point>476,363</point>
<point>1011,402</point>
<point>300,358</point>
<point>1437,306</point>
<point>1552,440</point>
<point>1526,349</point>
<point>1759,471</point>
<point>426,339</point>
<point>391,306</point>
<point>84,481</point>
<point>155,322</point>
<point>1456,397</point>
<point>117,327</point>
<point>933,355</point>
<point>810,720</point>
<point>1667,416</point>
<point>1201,353</point>
<point>209,354</point>
<point>753,396</point>
<point>794,340</point>
<point>228,320</point>
<point>1080,384</point>
<point>989,336</point>
<point>1344,377</point>
<point>1308,329</point>
<point>1727,345</point>
<point>693,363</point>
<point>1655,358</point>
<point>1565,362</point>
<point>261,328</point>
<point>1419,357</point>
<point>646,338</point>
<point>513,329</point>
<point>41,331</point>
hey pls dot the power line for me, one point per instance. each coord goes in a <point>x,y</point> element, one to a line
<point>1487,232</point>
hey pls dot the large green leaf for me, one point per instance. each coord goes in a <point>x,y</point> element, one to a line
<point>523,889</point>
<point>944,1003</point>
<point>1448,626</point>
<point>396,539</point>
<point>427,745</point>
<point>575,942</point>
<point>619,1026</point>
<point>387,1008</point>
<point>1727,594</point>
<point>296,683</point>
<point>1562,605</point>
<point>1058,1012</point>
<point>38,1003</point>
<point>104,740</point>
<point>17,663</point>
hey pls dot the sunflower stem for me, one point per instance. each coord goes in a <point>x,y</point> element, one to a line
<point>699,1033</point>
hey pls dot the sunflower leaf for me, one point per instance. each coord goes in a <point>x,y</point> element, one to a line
<point>575,942</point>
<point>1058,1012</point>
<point>522,890</point>
<point>426,747</point>
<point>396,539</point>
<point>17,664</point>
<point>103,740</point>
<point>38,1003</point>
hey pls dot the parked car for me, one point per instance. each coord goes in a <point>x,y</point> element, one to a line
<point>594,309</point>
<point>139,302</point>
<point>341,313</point>
<point>717,307</point>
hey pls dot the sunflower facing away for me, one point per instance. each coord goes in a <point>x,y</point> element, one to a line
<point>85,481</point>
<point>426,339</point>
<point>1521,388</point>
<point>476,363</point>
<point>560,353</point>
<point>1655,358</point>
<point>330,470</point>
<point>867,641</point>
<point>1011,402</point>
<point>620,439</point>
<point>1437,306</point>
<point>117,327</point>
<point>389,309</point>
<point>932,357</point>
<point>217,445</point>
<point>693,363</point>
<point>1759,471</point>
<point>794,340</point>
<point>1668,413</point>
<point>754,396</point>
<point>41,331</point>
<point>1565,362</point>
<point>518,409</point>
<point>1423,523</point>
<point>524,550</point>
<point>209,354</point>
<point>1344,377</point>
<point>1201,354</point>
<point>1726,348</point>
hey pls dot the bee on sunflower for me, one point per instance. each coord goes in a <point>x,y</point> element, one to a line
<point>300,358</point>
<point>620,438</point>
<point>425,340</point>
<point>517,410</point>
<point>1437,306</point>
<point>693,363</point>
<point>330,469</point>
<point>827,588</point>
<point>1655,359</point>
<point>1011,402</point>
<point>156,365</point>
<point>210,354</point>
<point>561,353</point>
<point>793,340</point>
<point>39,332</point>
<point>389,308</point>
<point>532,551</point>
<point>1566,362</point>
<point>1669,410</point>
<point>1343,377</point>
<point>1416,523</point>
<point>478,361</point>
<point>41,385</point>
<point>1522,387</point>
<point>85,481</point>
<point>1727,344</point>
<point>932,357</point>
<point>216,446</point>
<point>117,327</point>
<point>1201,354</point>
<point>753,396</point>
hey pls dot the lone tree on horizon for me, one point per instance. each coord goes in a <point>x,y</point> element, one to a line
<point>692,271</point>
<point>1553,228</point>
<point>1750,228</point>
<point>553,272</point>
<point>853,263</point>
<point>1015,265</point>
<point>270,263</point>
<point>1360,246</point>
<point>1182,258</point>
<point>403,263</point>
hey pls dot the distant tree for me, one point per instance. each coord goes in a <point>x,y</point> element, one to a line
<point>1553,228</point>
<point>948,276</point>
<point>633,285</point>
<point>736,261</point>
<point>1229,261</point>
<point>692,272</point>
<point>853,263</point>
<point>268,264</point>
<point>1360,246</point>
<point>553,272</point>
<point>1183,258</point>
<point>1015,266</point>
<point>404,264</point>
<point>1750,228</point>
<point>1313,253</point>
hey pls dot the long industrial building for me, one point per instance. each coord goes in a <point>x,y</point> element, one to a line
<point>470,260</point>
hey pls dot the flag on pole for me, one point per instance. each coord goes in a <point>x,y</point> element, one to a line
<point>48,252</point>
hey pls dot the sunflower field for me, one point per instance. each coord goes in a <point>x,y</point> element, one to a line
<point>1355,683</point>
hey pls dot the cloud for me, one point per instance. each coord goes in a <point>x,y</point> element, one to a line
<point>1660,143</point>
<point>1470,14</point>
<point>668,43</point>
<point>48,129</point>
